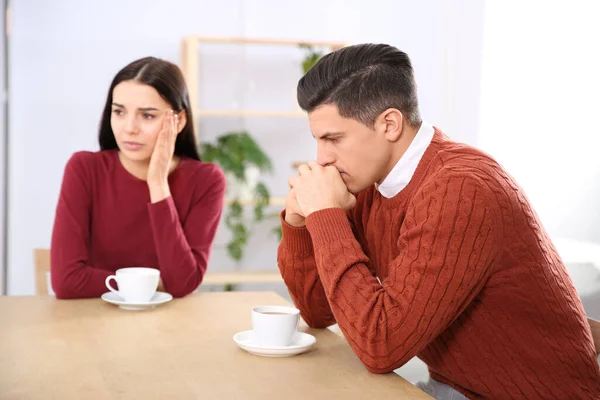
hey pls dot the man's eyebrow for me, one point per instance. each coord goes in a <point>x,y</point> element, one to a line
<point>329,134</point>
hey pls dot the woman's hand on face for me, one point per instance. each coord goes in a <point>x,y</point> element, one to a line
<point>162,157</point>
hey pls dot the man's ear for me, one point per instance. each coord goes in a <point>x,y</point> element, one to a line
<point>389,123</point>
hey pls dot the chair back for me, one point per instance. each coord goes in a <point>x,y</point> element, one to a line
<point>41,259</point>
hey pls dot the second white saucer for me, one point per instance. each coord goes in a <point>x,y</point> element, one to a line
<point>301,343</point>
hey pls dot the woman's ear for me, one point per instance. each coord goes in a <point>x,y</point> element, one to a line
<point>181,121</point>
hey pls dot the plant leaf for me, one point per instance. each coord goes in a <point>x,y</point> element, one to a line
<point>278,231</point>
<point>236,151</point>
<point>259,213</point>
<point>235,209</point>
<point>235,251</point>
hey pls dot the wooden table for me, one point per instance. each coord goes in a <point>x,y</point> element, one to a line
<point>88,349</point>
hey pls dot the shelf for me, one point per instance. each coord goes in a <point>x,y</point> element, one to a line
<point>297,164</point>
<point>250,113</point>
<point>233,278</point>
<point>190,65</point>
<point>274,201</point>
<point>265,41</point>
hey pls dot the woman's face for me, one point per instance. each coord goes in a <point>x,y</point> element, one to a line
<point>136,118</point>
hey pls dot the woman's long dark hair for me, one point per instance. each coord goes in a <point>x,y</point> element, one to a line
<point>168,81</point>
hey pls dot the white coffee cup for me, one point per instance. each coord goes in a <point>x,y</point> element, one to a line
<point>275,325</point>
<point>135,284</point>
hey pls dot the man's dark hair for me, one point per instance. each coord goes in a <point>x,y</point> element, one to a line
<point>362,81</point>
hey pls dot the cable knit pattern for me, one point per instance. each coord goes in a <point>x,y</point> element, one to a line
<point>456,269</point>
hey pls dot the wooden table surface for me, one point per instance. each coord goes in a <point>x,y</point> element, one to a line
<point>89,349</point>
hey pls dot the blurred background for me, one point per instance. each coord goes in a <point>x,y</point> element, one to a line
<point>518,79</point>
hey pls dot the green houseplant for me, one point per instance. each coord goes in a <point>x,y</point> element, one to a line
<point>237,153</point>
<point>311,56</point>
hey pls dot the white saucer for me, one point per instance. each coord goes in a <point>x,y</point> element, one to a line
<point>300,343</point>
<point>158,298</point>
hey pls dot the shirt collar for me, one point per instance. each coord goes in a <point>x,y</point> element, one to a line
<point>405,168</point>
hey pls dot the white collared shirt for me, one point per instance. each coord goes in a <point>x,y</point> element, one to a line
<point>404,169</point>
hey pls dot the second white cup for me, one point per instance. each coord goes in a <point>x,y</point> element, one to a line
<point>275,325</point>
<point>135,284</point>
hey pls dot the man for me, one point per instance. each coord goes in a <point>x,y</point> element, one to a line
<point>418,245</point>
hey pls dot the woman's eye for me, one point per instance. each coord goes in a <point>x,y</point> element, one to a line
<point>116,111</point>
<point>148,116</point>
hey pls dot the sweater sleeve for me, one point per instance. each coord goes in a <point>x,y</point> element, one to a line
<point>72,276</point>
<point>183,249</point>
<point>296,261</point>
<point>446,248</point>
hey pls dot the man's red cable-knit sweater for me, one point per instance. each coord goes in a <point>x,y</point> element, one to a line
<point>455,269</point>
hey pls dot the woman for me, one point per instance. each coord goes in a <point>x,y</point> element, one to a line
<point>145,199</point>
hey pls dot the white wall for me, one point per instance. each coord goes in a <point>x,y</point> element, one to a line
<point>540,105</point>
<point>3,101</point>
<point>65,52</point>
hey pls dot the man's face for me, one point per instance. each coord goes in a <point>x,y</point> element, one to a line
<point>361,154</point>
